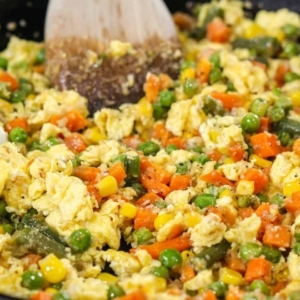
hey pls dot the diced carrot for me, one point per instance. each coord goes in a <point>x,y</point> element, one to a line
<point>203,69</point>
<point>260,65</point>
<point>75,142</point>
<point>155,187</point>
<point>265,144</point>
<point>39,69</point>
<point>180,142</point>
<point>152,87</point>
<point>187,273</point>
<point>117,170</point>
<point>132,141</point>
<point>236,151</point>
<point>209,295</point>
<point>145,218</point>
<point>76,121</point>
<point>216,178</point>
<point>258,177</point>
<point>154,172</point>
<point>278,236</point>
<point>160,132</point>
<point>234,262</point>
<point>93,191</point>
<point>292,204</point>
<point>41,296</point>
<point>180,243</point>
<point>180,182</point>
<point>12,83</point>
<point>18,122</point>
<point>175,231</point>
<point>245,212</point>
<point>234,293</point>
<point>280,285</point>
<point>229,100</point>
<point>215,155</point>
<point>146,199</point>
<point>86,173</point>
<point>282,69</point>
<point>136,295</point>
<point>218,31</point>
<point>165,81</point>
<point>223,213</point>
<point>264,124</point>
<point>296,147</point>
<point>258,268</point>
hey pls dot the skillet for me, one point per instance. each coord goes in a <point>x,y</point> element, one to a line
<point>25,19</point>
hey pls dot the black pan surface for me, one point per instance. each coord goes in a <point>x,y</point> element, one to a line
<point>25,19</point>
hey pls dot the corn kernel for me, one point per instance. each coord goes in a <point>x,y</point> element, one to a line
<point>226,193</point>
<point>191,219</point>
<point>245,187</point>
<point>144,107</point>
<point>107,186</point>
<point>231,277</point>
<point>263,163</point>
<point>94,135</point>
<point>295,97</point>
<point>51,290</point>
<point>228,161</point>
<point>181,37</point>
<point>252,31</point>
<point>291,187</point>
<point>214,135</point>
<point>187,73</point>
<point>1,230</point>
<point>52,269</point>
<point>202,116</point>
<point>158,284</point>
<point>186,255</point>
<point>128,210</point>
<point>161,220</point>
<point>279,34</point>
<point>108,278</point>
<point>191,55</point>
<point>31,97</point>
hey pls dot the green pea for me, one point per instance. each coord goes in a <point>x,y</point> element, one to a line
<point>35,145</point>
<point>80,240</point>
<point>51,141</point>
<point>215,75</point>
<point>190,87</point>
<point>261,286</point>
<point>166,98</point>
<point>277,199</point>
<point>259,107</point>
<point>26,86</point>
<point>3,63</point>
<point>296,248</point>
<point>291,76</point>
<point>250,250</point>
<point>18,96</point>
<point>161,271</point>
<point>201,158</point>
<point>138,188</point>
<point>215,60</point>
<point>61,296</point>
<point>219,288</point>
<point>170,148</point>
<point>32,280</point>
<point>230,87</point>
<point>142,235</point>
<point>187,64</point>
<point>250,123</point>
<point>148,148</point>
<point>283,102</point>
<point>170,258</point>
<point>3,212</point>
<point>245,201</point>
<point>40,56</point>
<point>158,111</point>
<point>182,168</point>
<point>76,161</point>
<point>160,204</point>
<point>114,291</point>
<point>271,254</point>
<point>295,295</point>
<point>7,228</point>
<point>57,286</point>
<point>18,135</point>
<point>290,31</point>
<point>284,138</point>
<point>263,198</point>
<point>290,49</point>
<point>277,114</point>
<point>205,200</point>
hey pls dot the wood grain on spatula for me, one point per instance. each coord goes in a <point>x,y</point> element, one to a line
<point>78,34</point>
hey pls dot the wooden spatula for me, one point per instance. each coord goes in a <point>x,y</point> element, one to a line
<point>79,33</point>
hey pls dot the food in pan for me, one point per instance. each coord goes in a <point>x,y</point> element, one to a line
<point>193,192</point>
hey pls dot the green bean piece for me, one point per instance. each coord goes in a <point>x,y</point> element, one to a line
<point>170,258</point>
<point>284,138</point>
<point>4,91</point>
<point>166,98</point>
<point>277,114</point>
<point>133,164</point>
<point>250,123</point>
<point>170,148</point>
<point>26,86</point>
<point>263,198</point>
<point>201,158</point>
<point>142,235</point>
<point>148,148</point>
<point>230,87</point>
<point>114,291</point>
<point>3,211</point>
<point>277,199</point>
<point>7,228</point>
<point>213,12</point>
<point>33,241</point>
<point>158,111</point>
<point>259,107</point>
<point>259,285</point>
<point>35,145</point>
<point>60,296</point>
<point>297,236</point>
<point>212,254</point>
<point>213,107</point>
<point>187,64</point>
<point>80,240</point>
<point>290,31</point>
<point>18,135</point>
<point>271,254</point>
<point>250,250</point>
<point>138,188</point>
<point>32,280</point>
<point>291,76</point>
<point>160,204</point>
<point>219,288</point>
<point>190,87</point>
<point>263,46</point>
<point>294,295</point>
<point>290,49</point>
<point>296,248</point>
<point>18,96</point>
<point>198,33</point>
<point>288,125</point>
<point>215,60</point>
<point>182,168</point>
<point>3,63</point>
<point>215,75</point>
<point>245,201</point>
<point>161,271</point>
<point>205,200</point>
<point>40,56</point>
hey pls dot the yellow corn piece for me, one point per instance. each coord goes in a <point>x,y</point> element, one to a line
<point>144,107</point>
<point>295,97</point>
<point>191,219</point>
<point>186,255</point>
<point>226,193</point>
<point>181,37</point>
<point>228,161</point>
<point>51,290</point>
<point>94,135</point>
<point>187,73</point>
<point>1,230</point>
<point>108,278</point>
<point>252,31</point>
<point>107,186</point>
<point>161,220</point>
<point>279,34</point>
<point>52,269</point>
<point>231,277</point>
<point>30,97</point>
<point>291,187</point>
<point>158,284</point>
<point>128,210</point>
<point>202,115</point>
<point>263,163</point>
<point>214,135</point>
<point>245,187</point>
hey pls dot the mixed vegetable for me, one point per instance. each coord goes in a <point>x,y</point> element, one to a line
<point>193,192</point>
